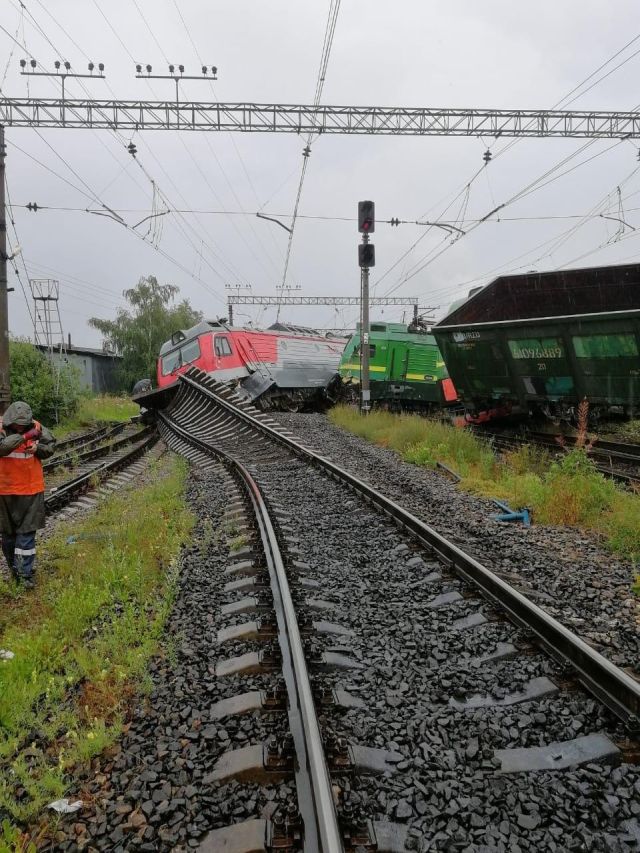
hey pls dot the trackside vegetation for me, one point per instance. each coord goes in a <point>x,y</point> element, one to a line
<point>94,410</point>
<point>565,492</point>
<point>82,642</point>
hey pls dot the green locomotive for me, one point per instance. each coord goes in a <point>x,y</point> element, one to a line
<point>405,367</point>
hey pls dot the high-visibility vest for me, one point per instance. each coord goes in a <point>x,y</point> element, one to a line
<point>21,472</point>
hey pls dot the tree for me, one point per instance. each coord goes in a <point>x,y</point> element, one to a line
<point>51,392</point>
<point>137,334</point>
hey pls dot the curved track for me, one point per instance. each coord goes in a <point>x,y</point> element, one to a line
<point>91,467</point>
<point>206,418</point>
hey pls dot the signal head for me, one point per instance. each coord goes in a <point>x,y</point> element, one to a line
<point>181,69</point>
<point>172,68</point>
<point>214,70</point>
<point>33,63</point>
<point>101,66</point>
<point>67,65</point>
<point>23,63</point>
<point>366,217</point>
<point>138,69</point>
<point>56,64</point>
<point>91,66</point>
<point>148,67</point>
<point>204,69</point>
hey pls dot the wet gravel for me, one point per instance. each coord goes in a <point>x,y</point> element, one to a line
<point>154,790</point>
<point>415,661</point>
<point>568,572</point>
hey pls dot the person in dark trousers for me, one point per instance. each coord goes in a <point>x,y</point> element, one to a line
<point>23,443</point>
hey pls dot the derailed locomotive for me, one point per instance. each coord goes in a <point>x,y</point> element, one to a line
<point>406,370</point>
<point>283,367</point>
<point>542,342</point>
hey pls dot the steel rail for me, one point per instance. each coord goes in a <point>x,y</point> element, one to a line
<point>610,684</point>
<point>546,441</point>
<point>93,452</point>
<point>602,447</point>
<point>315,797</point>
<point>86,437</point>
<point>66,492</point>
<point>98,452</point>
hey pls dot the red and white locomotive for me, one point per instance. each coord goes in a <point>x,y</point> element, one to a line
<point>284,366</point>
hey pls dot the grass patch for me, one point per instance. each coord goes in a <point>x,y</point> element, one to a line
<point>82,641</point>
<point>92,410</point>
<point>566,492</point>
<point>238,542</point>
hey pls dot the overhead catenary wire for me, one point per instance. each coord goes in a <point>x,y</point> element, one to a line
<point>466,186</point>
<point>122,141</point>
<point>332,20</point>
<point>188,150</point>
<point>231,138</point>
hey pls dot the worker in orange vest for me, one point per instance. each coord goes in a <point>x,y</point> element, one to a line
<point>23,443</point>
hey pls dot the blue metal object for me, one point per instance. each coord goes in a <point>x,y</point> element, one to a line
<point>509,514</point>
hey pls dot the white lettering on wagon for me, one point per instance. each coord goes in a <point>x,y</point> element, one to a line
<point>537,352</point>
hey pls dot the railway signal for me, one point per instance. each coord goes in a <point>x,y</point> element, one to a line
<point>366,259</point>
<point>366,255</point>
<point>366,217</point>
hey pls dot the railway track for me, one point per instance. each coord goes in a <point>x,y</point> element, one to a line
<point>93,462</point>
<point>618,461</point>
<point>465,664</point>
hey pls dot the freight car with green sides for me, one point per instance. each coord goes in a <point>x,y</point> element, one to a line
<point>546,341</point>
<point>405,367</point>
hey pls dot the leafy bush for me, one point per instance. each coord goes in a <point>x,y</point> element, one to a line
<point>51,393</point>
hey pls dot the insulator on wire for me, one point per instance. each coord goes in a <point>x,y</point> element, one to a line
<point>487,156</point>
<point>131,148</point>
<point>394,221</point>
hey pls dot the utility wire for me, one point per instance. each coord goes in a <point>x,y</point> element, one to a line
<point>507,147</point>
<point>123,142</point>
<point>231,138</point>
<point>332,19</point>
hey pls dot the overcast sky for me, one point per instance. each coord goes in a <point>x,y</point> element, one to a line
<point>462,53</point>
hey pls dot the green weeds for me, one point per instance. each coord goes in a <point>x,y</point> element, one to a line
<point>567,492</point>
<point>92,410</point>
<point>83,639</point>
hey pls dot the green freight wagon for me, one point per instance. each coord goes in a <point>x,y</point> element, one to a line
<point>546,341</point>
<point>405,367</point>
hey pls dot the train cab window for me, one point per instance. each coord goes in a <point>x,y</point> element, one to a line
<point>170,362</point>
<point>605,346</point>
<point>372,350</point>
<point>190,352</point>
<point>223,347</point>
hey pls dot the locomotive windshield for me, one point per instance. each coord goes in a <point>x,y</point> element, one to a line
<point>179,357</point>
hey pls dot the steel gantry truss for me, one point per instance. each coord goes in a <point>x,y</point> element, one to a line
<point>320,300</point>
<point>291,118</point>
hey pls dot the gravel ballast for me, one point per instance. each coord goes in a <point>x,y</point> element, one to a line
<point>566,571</point>
<point>401,616</point>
